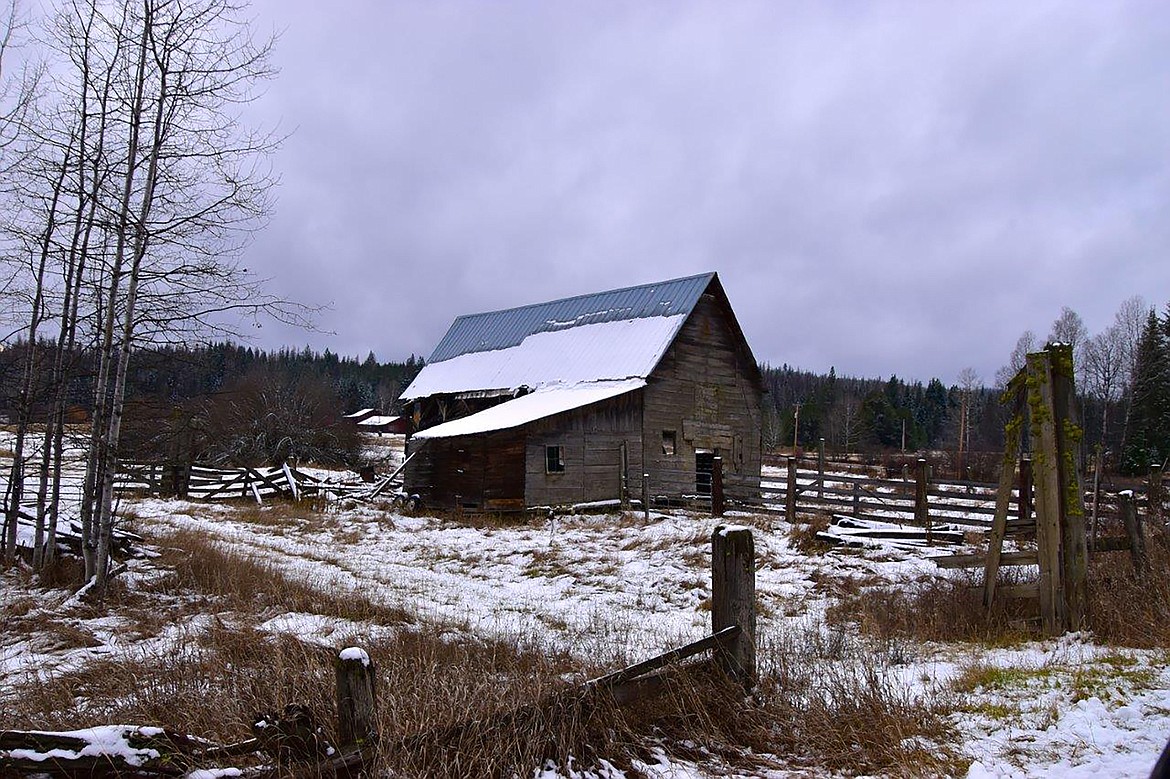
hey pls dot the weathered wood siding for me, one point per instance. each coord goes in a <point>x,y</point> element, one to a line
<point>592,438</point>
<point>703,390</point>
<point>479,472</point>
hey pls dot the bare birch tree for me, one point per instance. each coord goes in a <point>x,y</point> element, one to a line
<point>1017,359</point>
<point>151,190</point>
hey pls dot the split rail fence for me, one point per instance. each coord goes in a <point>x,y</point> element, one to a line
<point>202,483</point>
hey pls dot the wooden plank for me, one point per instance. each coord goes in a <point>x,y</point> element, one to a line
<point>1020,591</point>
<point>720,639</point>
<point>1007,477</point>
<point>1112,544</point>
<point>980,560</point>
<point>733,598</point>
<point>292,482</point>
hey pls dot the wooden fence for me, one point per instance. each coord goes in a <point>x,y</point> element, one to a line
<point>915,497</point>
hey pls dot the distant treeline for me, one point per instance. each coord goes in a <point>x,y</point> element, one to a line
<point>876,415</point>
<point>176,374</point>
<point>852,415</point>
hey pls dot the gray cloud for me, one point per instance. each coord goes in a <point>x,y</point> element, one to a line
<point>886,188</point>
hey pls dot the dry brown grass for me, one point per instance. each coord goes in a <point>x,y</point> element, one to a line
<point>1130,608</point>
<point>452,705</point>
<point>244,583</point>
<point>803,534</point>
<point>935,610</point>
<point>1126,608</point>
<point>832,704</point>
<point>448,707</point>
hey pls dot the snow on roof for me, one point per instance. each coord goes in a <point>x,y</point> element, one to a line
<point>605,351</point>
<point>528,408</point>
<point>377,421</point>
<point>605,336</point>
<point>365,412</point>
<point>494,330</point>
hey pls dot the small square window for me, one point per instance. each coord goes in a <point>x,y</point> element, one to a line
<point>554,459</point>
<point>668,442</point>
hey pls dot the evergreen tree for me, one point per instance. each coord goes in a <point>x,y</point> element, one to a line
<point>1147,440</point>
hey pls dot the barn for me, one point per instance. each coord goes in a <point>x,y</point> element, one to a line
<point>574,400</point>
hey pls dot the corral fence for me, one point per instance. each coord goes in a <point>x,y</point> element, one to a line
<point>198,482</point>
<point>915,496</point>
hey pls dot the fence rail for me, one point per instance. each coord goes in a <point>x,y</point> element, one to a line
<point>906,499</point>
<point>204,483</point>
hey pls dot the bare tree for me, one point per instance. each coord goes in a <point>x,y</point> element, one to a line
<point>1069,328</point>
<point>1128,322</point>
<point>1018,358</point>
<point>148,189</point>
<point>968,382</point>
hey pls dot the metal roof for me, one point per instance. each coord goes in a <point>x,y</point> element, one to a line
<point>503,329</point>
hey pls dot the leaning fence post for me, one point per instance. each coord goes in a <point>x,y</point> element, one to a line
<point>733,598</point>
<point>357,706</point>
<point>790,494</point>
<point>717,487</point>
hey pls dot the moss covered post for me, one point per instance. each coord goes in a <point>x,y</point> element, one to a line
<point>1060,509</point>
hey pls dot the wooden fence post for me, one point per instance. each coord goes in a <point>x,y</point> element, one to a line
<point>357,704</point>
<point>821,470</point>
<point>1024,508</point>
<point>1133,530</point>
<point>1060,509</point>
<point>790,493</point>
<point>856,499</point>
<point>717,486</point>
<point>733,598</point>
<point>646,495</point>
<point>921,501</point>
<point>624,476</point>
<point>1154,495</point>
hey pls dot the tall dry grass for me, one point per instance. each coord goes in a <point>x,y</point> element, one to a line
<point>1130,607</point>
<point>457,705</point>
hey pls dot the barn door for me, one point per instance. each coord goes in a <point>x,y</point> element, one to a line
<point>704,465</point>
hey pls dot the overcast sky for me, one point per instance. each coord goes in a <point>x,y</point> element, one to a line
<point>886,188</point>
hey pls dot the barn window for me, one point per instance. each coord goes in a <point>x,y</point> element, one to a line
<point>554,459</point>
<point>668,442</point>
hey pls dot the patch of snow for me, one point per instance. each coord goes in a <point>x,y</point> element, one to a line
<point>604,351</point>
<point>528,408</point>
<point>352,653</point>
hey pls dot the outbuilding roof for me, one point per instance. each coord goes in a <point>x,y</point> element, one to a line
<point>606,336</point>
<point>529,408</point>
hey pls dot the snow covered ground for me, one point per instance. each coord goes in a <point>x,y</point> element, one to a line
<point>620,587</point>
